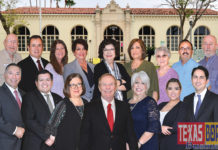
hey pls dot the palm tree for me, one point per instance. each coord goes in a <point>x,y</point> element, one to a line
<point>30,3</point>
<point>50,3</point>
<point>69,3</point>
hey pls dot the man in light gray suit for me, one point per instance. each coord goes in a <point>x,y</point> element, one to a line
<point>11,124</point>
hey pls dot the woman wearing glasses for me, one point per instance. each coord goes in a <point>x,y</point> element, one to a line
<point>108,50</point>
<point>64,124</point>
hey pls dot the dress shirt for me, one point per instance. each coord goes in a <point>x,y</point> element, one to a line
<point>196,98</point>
<point>184,72</point>
<point>105,104</point>
<point>212,67</point>
<point>12,92</point>
<point>35,61</point>
<point>51,98</point>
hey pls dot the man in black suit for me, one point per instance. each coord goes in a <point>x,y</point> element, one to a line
<point>32,64</point>
<point>201,106</point>
<point>107,123</point>
<point>36,110</point>
<point>11,124</point>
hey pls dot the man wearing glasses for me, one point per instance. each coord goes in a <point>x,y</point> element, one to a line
<point>184,67</point>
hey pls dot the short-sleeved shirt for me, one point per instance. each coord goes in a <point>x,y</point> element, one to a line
<point>6,60</point>
<point>212,67</point>
<point>150,69</point>
<point>184,72</point>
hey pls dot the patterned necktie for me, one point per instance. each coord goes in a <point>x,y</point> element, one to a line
<point>49,103</point>
<point>17,98</point>
<point>110,117</point>
<point>198,106</point>
<point>39,65</point>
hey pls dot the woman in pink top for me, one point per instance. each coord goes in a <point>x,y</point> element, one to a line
<point>164,72</point>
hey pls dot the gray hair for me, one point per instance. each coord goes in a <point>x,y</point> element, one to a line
<point>164,49</point>
<point>143,76</point>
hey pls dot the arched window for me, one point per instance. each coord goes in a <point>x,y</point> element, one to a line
<point>147,35</point>
<point>79,32</point>
<point>173,38</point>
<point>49,35</point>
<point>115,32</point>
<point>199,34</point>
<point>23,35</point>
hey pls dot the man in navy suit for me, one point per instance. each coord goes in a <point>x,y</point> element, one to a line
<point>32,64</point>
<point>36,110</point>
<point>11,124</point>
<point>201,106</point>
<point>107,123</point>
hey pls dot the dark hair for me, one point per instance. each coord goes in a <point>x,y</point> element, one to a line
<point>66,89</point>
<point>79,41</point>
<point>53,60</point>
<point>202,69</point>
<point>142,46</point>
<point>34,37</point>
<point>14,65</point>
<point>174,80</point>
<point>43,72</point>
<point>106,42</point>
<point>183,41</point>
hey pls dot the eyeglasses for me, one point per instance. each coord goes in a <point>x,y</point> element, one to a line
<point>107,50</point>
<point>78,85</point>
<point>163,56</point>
<point>139,83</point>
<point>185,48</point>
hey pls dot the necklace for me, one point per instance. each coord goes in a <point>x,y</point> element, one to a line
<point>132,107</point>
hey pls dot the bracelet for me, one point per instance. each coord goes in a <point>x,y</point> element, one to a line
<point>121,83</point>
<point>140,143</point>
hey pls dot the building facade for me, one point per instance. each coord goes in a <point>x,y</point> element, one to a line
<point>155,26</point>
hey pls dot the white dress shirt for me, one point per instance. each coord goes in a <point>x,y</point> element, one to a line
<point>196,98</point>
<point>12,91</point>
<point>51,98</point>
<point>35,61</point>
<point>105,104</point>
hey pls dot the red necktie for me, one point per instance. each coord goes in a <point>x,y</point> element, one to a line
<point>110,117</point>
<point>39,65</point>
<point>17,98</point>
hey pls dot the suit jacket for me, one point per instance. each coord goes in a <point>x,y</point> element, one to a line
<point>208,111</point>
<point>101,69</point>
<point>95,133</point>
<point>74,67</point>
<point>35,113</point>
<point>29,72</point>
<point>10,117</point>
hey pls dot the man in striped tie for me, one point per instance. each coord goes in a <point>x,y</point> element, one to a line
<point>107,123</point>
<point>11,124</point>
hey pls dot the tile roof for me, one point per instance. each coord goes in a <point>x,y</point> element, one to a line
<point>136,11</point>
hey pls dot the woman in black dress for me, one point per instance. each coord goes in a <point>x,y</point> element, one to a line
<point>65,121</point>
<point>170,114</point>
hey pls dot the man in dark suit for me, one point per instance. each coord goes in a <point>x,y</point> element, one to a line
<point>11,124</point>
<point>32,64</point>
<point>36,110</point>
<point>107,123</point>
<point>201,106</point>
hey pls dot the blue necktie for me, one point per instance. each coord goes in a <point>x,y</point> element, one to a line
<point>198,106</point>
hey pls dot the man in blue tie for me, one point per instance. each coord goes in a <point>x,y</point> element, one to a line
<point>202,105</point>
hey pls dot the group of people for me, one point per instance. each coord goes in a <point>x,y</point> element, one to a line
<point>58,105</point>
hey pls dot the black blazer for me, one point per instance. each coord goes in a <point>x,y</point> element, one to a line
<point>101,69</point>
<point>175,115</point>
<point>95,133</point>
<point>10,117</point>
<point>208,111</point>
<point>35,113</point>
<point>29,72</point>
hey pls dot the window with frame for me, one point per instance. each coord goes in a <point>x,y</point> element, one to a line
<point>173,38</point>
<point>23,35</point>
<point>49,35</point>
<point>147,34</point>
<point>79,32</point>
<point>199,34</point>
